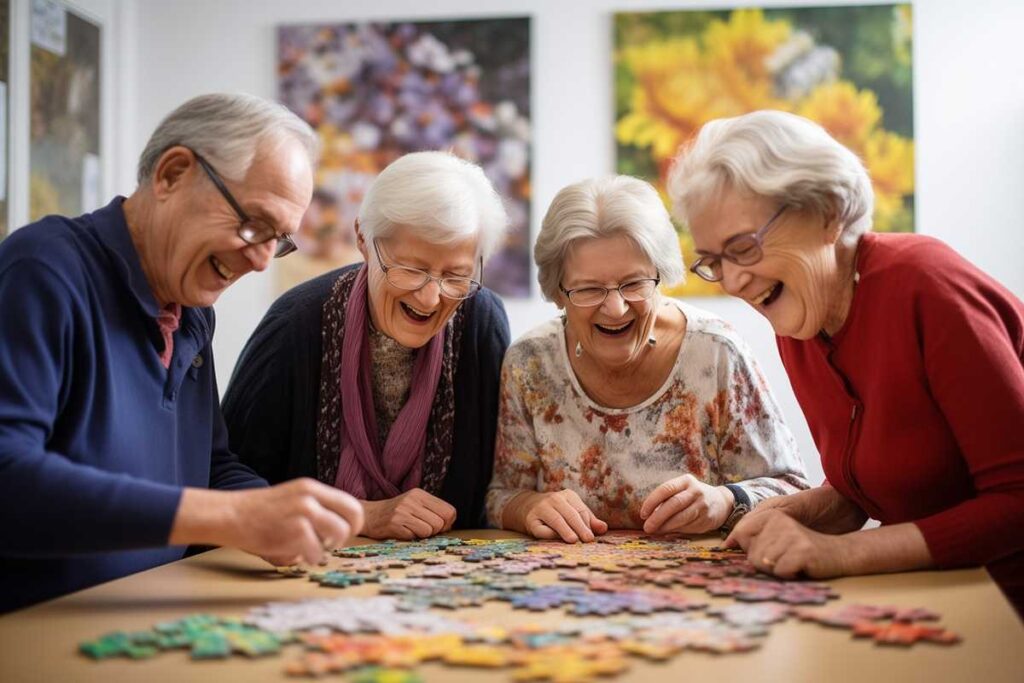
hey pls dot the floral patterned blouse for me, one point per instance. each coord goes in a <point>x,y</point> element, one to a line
<point>714,417</point>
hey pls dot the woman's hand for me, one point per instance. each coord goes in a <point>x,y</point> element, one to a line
<point>686,505</point>
<point>777,544</point>
<point>411,515</point>
<point>553,515</point>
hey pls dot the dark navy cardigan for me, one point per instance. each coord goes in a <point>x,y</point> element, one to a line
<point>97,438</point>
<point>271,403</point>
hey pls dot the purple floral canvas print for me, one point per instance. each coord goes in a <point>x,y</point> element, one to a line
<point>375,91</point>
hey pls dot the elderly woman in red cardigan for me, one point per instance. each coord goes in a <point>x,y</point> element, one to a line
<point>905,358</point>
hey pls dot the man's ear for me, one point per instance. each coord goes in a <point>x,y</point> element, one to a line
<point>172,168</point>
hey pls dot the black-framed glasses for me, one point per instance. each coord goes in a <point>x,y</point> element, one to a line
<point>634,290</point>
<point>743,250</point>
<point>406,277</point>
<point>251,231</point>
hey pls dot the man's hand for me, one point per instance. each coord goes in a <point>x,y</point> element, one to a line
<point>284,524</point>
<point>413,514</point>
<point>553,515</point>
<point>686,505</point>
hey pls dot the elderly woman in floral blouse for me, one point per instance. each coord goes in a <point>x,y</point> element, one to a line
<point>630,411</point>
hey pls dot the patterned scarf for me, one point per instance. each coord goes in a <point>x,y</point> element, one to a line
<point>348,453</point>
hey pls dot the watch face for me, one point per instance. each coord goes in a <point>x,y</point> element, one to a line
<point>738,511</point>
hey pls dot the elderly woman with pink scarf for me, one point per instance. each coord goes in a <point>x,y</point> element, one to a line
<point>382,378</point>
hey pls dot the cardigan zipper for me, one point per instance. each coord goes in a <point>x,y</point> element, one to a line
<point>852,432</point>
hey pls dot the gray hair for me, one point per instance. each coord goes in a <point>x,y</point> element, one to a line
<point>226,129</point>
<point>604,207</point>
<point>778,155</point>
<point>443,199</point>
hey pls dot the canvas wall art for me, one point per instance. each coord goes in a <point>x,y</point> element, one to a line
<point>848,68</point>
<point>5,159</point>
<point>375,91</point>
<point>64,154</point>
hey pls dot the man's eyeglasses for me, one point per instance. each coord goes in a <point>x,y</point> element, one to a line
<point>743,250</point>
<point>634,290</point>
<point>250,230</point>
<point>405,277</point>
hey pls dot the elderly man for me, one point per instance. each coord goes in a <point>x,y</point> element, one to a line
<point>113,451</point>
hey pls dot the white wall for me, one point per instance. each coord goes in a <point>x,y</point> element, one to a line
<point>969,111</point>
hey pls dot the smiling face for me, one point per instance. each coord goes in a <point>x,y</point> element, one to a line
<point>616,332</point>
<point>191,251</point>
<point>413,317</point>
<point>794,283</point>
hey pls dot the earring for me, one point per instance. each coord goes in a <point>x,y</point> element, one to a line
<point>651,341</point>
<point>579,349</point>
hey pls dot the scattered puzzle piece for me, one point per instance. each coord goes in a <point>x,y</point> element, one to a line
<point>904,633</point>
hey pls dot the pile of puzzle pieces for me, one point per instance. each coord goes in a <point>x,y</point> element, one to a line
<point>632,583</point>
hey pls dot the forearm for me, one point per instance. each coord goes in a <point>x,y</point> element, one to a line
<point>53,506</point>
<point>825,510</point>
<point>896,548</point>
<point>204,517</point>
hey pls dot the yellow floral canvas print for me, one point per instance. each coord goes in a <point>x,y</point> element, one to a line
<point>848,68</point>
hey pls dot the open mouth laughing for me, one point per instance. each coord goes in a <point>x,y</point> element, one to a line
<point>415,315</point>
<point>615,330</point>
<point>768,296</point>
<point>225,273</point>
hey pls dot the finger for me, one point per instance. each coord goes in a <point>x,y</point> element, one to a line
<point>282,560</point>
<point>587,515</point>
<point>765,552</point>
<point>669,508</point>
<point>541,530</point>
<point>575,519</point>
<point>439,507</point>
<point>790,563</point>
<point>332,530</point>
<point>597,526</point>
<point>686,521</point>
<point>746,530</point>
<point>661,493</point>
<point>432,519</point>
<point>310,549</point>
<point>341,504</point>
<point>553,518</point>
<point>417,526</point>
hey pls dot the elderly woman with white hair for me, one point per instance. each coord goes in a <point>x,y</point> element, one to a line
<point>629,411</point>
<point>906,359</point>
<point>382,378</point>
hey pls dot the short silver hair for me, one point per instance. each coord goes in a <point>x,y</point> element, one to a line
<point>777,155</point>
<point>605,207</point>
<point>439,197</point>
<point>226,129</point>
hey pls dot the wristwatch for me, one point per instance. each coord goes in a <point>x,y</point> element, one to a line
<point>740,507</point>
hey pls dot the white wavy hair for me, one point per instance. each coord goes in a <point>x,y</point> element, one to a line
<point>441,198</point>
<point>604,207</point>
<point>785,157</point>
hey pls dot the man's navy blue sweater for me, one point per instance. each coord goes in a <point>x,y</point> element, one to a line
<point>97,438</point>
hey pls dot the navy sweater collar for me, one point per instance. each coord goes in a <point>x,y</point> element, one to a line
<point>112,231</point>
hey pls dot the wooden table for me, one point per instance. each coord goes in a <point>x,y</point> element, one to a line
<point>40,643</point>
